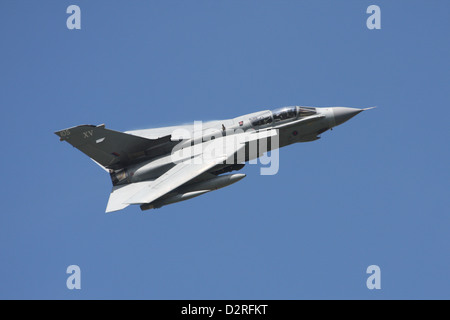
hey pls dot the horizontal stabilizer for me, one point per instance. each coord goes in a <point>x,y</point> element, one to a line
<point>120,194</point>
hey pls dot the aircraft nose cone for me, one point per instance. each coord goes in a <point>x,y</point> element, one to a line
<point>342,114</point>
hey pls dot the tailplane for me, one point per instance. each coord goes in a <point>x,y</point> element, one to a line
<point>120,194</point>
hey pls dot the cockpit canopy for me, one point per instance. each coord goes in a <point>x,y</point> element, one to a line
<point>285,113</point>
<point>282,114</point>
<point>262,119</point>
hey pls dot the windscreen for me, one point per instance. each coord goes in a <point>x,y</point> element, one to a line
<point>306,111</point>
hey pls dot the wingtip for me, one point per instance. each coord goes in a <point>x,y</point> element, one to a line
<point>369,108</point>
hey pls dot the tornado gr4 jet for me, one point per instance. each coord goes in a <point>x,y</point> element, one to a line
<point>159,166</point>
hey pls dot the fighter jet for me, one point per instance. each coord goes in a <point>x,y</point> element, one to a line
<point>160,166</point>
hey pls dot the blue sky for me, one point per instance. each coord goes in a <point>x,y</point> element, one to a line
<point>373,191</point>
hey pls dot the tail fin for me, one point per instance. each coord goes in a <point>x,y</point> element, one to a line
<point>111,149</point>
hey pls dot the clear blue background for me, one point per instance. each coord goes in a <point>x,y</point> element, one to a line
<point>373,191</point>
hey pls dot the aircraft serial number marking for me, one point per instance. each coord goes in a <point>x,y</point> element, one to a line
<point>88,134</point>
<point>64,133</point>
